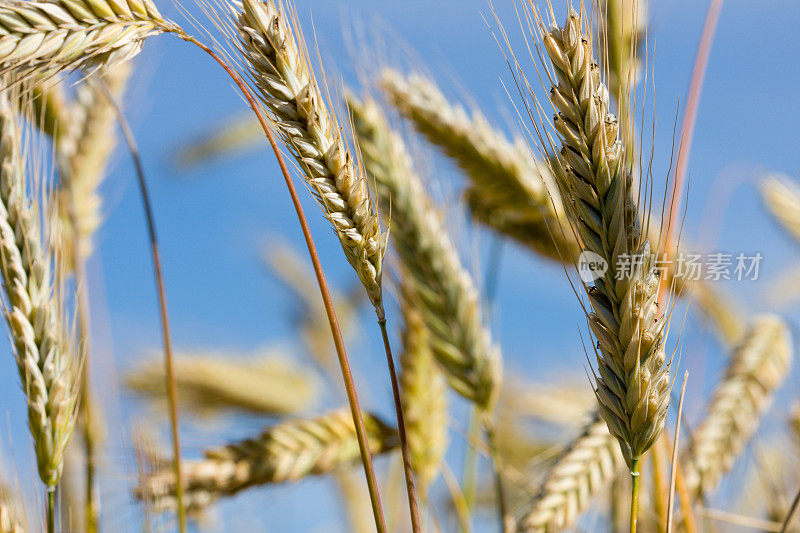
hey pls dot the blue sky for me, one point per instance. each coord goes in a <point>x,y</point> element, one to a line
<point>214,220</point>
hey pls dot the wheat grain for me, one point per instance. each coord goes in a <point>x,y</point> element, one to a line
<point>286,452</point>
<point>509,191</point>
<point>46,364</point>
<point>265,383</point>
<point>633,382</point>
<point>759,365</point>
<point>46,37</point>
<point>590,462</point>
<point>282,74</point>
<point>424,396</point>
<point>448,299</point>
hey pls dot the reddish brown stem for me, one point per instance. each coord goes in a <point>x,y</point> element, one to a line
<point>366,456</point>
<point>172,389</point>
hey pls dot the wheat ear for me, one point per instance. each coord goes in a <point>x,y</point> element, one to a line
<point>448,299</point>
<point>286,452</point>
<point>266,384</point>
<point>590,462</point>
<point>424,396</point>
<point>509,191</point>
<point>83,152</point>
<point>759,365</point>
<point>47,366</point>
<point>65,34</point>
<point>633,383</point>
<point>282,74</point>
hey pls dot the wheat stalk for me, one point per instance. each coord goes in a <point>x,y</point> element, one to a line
<point>424,397</point>
<point>633,383</point>
<point>265,384</point>
<point>448,299</point>
<point>759,365</point>
<point>286,452</point>
<point>66,34</point>
<point>283,76</point>
<point>588,465</point>
<point>46,364</point>
<point>509,191</point>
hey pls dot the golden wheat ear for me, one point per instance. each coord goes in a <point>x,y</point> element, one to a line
<point>48,37</point>
<point>289,451</point>
<point>280,70</point>
<point>633,380</point>
<point>29,262</point>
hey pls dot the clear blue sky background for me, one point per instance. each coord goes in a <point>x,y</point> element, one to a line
<point>212,221</point>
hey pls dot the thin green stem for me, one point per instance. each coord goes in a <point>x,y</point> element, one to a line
<point>469,479</point>
<point>51,510</point>
<point>634,494</point>
<point>497,467</point>
<point>352,397</point>
<point>401,428</point>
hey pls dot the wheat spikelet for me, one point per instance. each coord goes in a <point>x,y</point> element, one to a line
<point>633,382</point>
<point>286,452</point>
<point>508,191</point>
<point>424,395</point>
<point>46,364</point>
<point>586,467</point>
<point>65,34</point>
<point>448,299</point>
<point>83,153</point>
<point>759,365</point>
<point>265,383</point>
<point>282,74</point>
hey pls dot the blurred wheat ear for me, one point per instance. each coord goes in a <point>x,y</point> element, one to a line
<point>446,294</point>
<point>759,364</point>
<point>266,384</point>
<point>289,451</point>
<point>509,191</point>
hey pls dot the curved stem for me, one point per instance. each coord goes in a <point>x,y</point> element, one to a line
<point>366,456</point>
<point>634,494</point>
<point>401,429</point>
<point>172,392</point>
